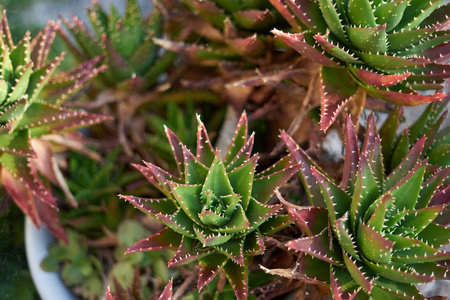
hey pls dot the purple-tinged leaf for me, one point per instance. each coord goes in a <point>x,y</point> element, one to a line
<point>377,79</point>
<point>75,73</point>
<point>337,200</point>
<point>69,88</point>
<point>157,176</point>
<point>205,151</point>
<point>373,245</point>
<point>317,246</point>
<point>336,89</point>
<point>308,12</point>
<point>297,42</point>
<point>189,250</point>
<point>167,292</point>
<point>177,150</point>
<point>351,159</point>
<point>311,219</point>
<point>161,176</point>
<point>23,172</point>
<point>438,54</point>
<point>406,97</point>
<point>164,239</point>
<point>6,37</point>
<point>209,267</point>
<point>239,140</point>
<point>409,162</point>
<point>42,42</point>
<point>430,187</point>
<point>21,195</point>
<point>308,180</point>
<point>48,215</point>
<point>441,197</point>
<point>359,272</point>
<point>238,277</point>
<point>282,8</point>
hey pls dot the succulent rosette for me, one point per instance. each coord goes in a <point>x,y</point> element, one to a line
<point>215,210</point>
<point>390,49</point>
<point>378,234</point>
<point>125,43</point>
<point>30,106</point>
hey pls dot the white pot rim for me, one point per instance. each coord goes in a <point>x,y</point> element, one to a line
<point>48,284</point>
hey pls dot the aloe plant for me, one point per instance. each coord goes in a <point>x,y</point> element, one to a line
<point>30,106</point>
<point>378,234</point>
<point>125,42</point>
<point>215,210</point>
<point>429,124</point>
<point>228,30</point>
<point>389,49</point>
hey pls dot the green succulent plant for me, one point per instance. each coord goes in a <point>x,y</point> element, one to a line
<point>30,106</point>
<point>378,234</point>
<point>95,186</point>
<point>228,30</point>
<point>389,49</point>
<point>215,210</point>
<point>437,145</point>
<point>125,43</point>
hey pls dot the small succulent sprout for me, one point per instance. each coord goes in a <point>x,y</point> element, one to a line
<point>437,145</point>
<point>391,49</point>
<point>125,43</point>
<point>378,234</point>
<point>215,210</point>
<point>31,107</point>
